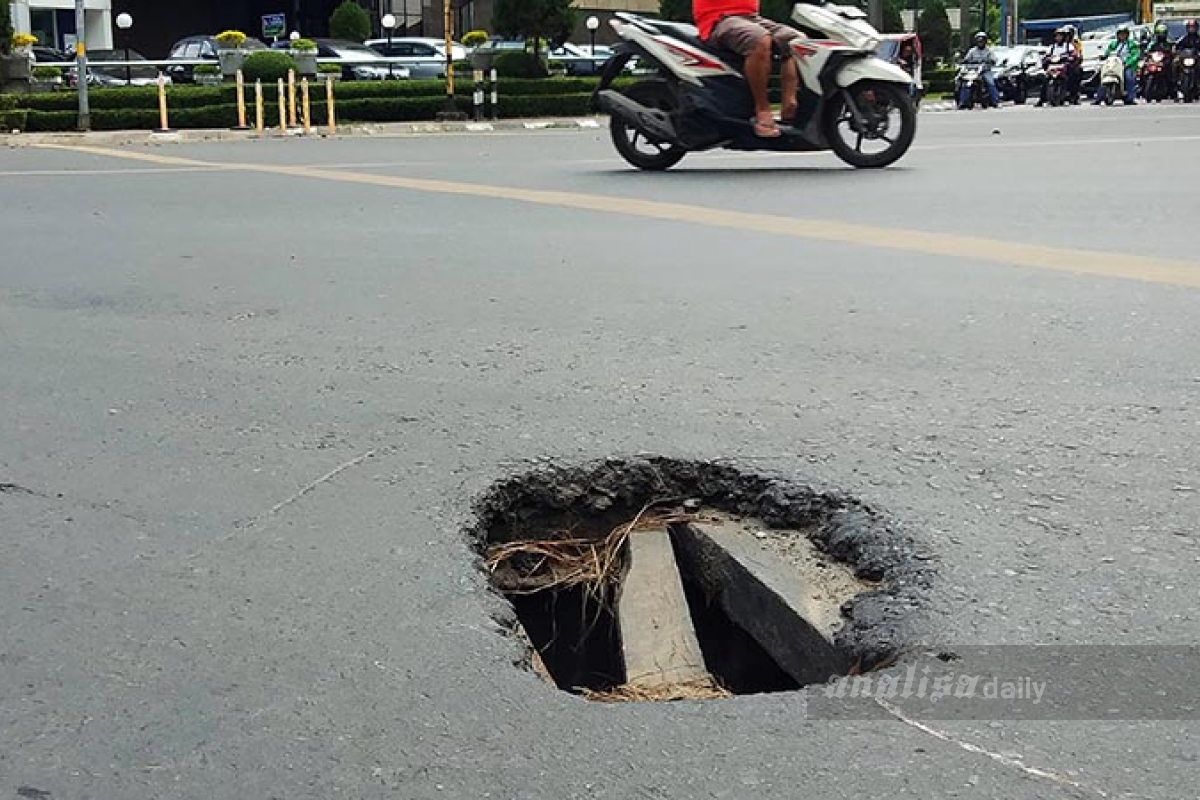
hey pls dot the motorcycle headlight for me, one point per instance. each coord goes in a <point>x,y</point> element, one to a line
<point>1189,62</point>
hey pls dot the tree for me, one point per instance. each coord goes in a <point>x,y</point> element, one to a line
<point>535,20</point>
<point>6,28</point>
<point>675,10</point>
<point>893,22</point>
<point>933,25</point>
<point>348,21</point>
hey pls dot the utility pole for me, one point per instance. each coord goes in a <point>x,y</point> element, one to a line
<point>84,122</point>
<point>964,19</point>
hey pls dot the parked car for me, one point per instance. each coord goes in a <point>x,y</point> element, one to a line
<point>100,75</point>
<point>358,62</point>
<point>577,60</point>
<point>458,50</point>
<point>483,56</point>
<point>423,59</point>
<point>51,55</point>
<point>198,47</point>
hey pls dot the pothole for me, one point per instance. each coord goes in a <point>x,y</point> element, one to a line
<point>663,579</point>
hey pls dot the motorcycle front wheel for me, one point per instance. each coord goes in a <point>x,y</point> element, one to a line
<point>885,132</point>
<point>632,144</point>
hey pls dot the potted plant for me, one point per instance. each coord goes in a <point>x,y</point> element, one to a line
<point>305,53</point>
<point>207,74</point>
<point>229,51</point>
<point>46,79</point>
<point>329,71</point>
<point>15,56</point>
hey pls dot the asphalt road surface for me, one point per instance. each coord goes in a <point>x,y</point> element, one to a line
<point>251,389</point>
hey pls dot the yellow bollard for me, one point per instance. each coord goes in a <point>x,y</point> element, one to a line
<point>307,107</point>
<point>329,106</point>
<point>282,108</point>
<point>241,102</point>
<point>292,98</point>
<point>258,107</point>
<point>164,125</point>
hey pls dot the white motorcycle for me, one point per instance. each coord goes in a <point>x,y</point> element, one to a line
<point>850,100</point>
<point>1112,79</point>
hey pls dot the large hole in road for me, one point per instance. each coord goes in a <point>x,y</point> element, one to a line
<point>665,579</point>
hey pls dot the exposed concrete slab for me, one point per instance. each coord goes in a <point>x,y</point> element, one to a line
<point>771,602</point>
<point>658,641</point>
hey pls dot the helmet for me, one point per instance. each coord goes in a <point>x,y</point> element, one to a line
<point>1070,29</point>
<point>1062,31</point>
<point>1190,25</point>
<point>980,37</point>
<point>1161,30</point>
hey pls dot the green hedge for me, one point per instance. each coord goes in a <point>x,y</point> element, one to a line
<point>378,109</point>
<point>13,121</point>
<point>938,80</point>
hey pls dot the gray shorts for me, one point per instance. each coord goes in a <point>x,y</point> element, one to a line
<point>741,34</point>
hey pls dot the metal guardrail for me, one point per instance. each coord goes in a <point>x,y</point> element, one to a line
<point>161,64</point>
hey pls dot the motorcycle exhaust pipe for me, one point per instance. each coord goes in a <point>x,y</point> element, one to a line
<point>650,122</point>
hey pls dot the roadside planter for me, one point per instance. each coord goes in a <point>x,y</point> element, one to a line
<point>305,53</point>
<point>207,75</point>
<point>16,67</point>
<point>230,53</point>
<point>46,79</point>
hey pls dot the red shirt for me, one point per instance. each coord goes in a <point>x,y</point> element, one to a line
<point>708,13</point>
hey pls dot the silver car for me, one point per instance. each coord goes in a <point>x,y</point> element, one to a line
<point>419,56</point>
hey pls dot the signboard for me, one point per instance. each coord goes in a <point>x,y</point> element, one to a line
<point>1178,10</point>
<point>274,25</point>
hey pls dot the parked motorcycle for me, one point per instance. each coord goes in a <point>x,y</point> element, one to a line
<point>1155,86</point>
<point>970,88</point>
<point>1058,80</point>
<point>1189,85</point>
<point>850,101</point>
<point>1112,79</point>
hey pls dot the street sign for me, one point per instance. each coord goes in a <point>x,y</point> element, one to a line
<point>274,25</point>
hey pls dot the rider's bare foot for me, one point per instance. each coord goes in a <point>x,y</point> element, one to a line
<point>765,127</point>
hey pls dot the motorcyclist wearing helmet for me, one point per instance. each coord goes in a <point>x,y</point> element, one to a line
<point>1124,48</point>
<point>1191,37</point>
<point>983,55</point>
<point>1061,49</point>
<point>1190,41</point>
<point>1162,44</point>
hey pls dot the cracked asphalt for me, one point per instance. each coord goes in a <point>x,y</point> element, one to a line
<point>247,409</point>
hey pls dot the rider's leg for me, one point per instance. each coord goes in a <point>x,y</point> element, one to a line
<point>789,84</point>
<point>1130,87</point>
<point>758,74</point>
<point>993,92</point>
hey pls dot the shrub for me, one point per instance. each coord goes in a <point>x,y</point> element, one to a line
<point>304,45</point>
<point>47,73</point>
<point>13,120</point>
<point>474,38</point>
<point>518,64</point>
<point>267,66</point>
<point>350,21</point>
<point>8,102</point>
<point>207,69</point>
<point>24,40</point>
<point>231,39</point>
<point>329,69</point>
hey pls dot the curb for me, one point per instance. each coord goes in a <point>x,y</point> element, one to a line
<point>354,130</point>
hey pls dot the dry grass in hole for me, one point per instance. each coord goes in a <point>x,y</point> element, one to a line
<point>562,560</point>
<point>690,690</point>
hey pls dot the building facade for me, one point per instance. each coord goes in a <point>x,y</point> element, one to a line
<point>53,22</point>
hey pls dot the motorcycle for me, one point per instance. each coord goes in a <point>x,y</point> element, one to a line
<point>1154,77</point>
<point>1057,80</point>
<point>1112,79</point>
<point>850,101</point>
<point>1189,86</point>
<point>970,88</point>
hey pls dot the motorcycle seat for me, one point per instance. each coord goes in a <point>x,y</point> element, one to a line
<point>691,35</point>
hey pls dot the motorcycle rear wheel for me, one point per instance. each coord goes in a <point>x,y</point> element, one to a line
<point>632,144</point>
<point>1056,94</point>
<point>889,117</point>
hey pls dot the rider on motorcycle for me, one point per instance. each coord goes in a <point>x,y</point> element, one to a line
<point>1125,49</point>
<point>736,25</point>
<point>1162,44</point>
<point>1189,41</point>
<point>982,54</point>
<point>1062,49</point>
